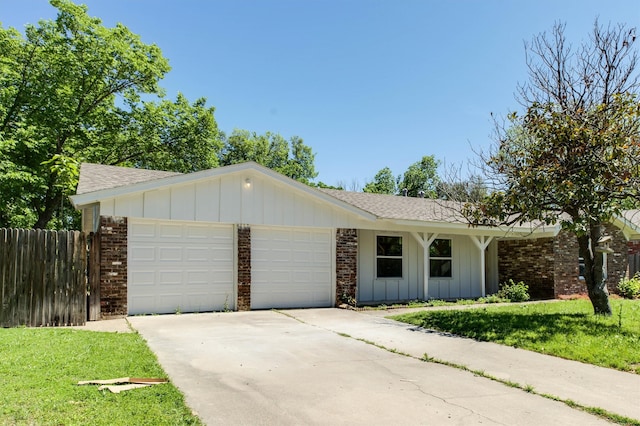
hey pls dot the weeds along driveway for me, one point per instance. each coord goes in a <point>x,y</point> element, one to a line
<point>267,367</point>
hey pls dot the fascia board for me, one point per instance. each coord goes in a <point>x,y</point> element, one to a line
<point>463,228</point>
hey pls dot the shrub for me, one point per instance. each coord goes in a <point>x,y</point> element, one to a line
<point>493,298</point>
<point>629,288</point>
<point>515,292</point>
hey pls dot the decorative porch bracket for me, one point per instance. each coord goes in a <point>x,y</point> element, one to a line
<point>482,242</point>
<point>425,241</point>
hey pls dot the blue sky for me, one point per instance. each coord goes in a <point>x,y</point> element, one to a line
<point>365,83</point>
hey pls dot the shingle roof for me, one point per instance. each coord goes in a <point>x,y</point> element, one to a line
<point>401,208</point>
<point>96,177</point>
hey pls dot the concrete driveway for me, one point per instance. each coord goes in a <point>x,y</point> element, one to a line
<point>267,367</point>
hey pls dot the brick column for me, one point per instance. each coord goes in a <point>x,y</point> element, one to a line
<point>244,268</point>
<point>346,265</point>
<point>113,266</point>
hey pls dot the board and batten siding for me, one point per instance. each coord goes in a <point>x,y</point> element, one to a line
<point>373,289</point>
<point>231,199</point>
<point>464,283</point>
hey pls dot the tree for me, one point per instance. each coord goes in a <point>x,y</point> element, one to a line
<point>291,158</point>
<point>472,189</point>
<point>383,183</point>
<point>573,157</point>
<point>421,176</point>
<point>58,84</point>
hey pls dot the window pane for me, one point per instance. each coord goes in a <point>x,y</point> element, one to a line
<point>389,246</point>
<point>389,268</point>
<point>440,268</point>
<point>440,248</point>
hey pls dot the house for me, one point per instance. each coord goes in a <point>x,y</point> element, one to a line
<point>245,237</point>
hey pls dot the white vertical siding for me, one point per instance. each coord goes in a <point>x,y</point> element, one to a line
<point>231,199</point>
<point>464,283</point>
<point>373,289</point>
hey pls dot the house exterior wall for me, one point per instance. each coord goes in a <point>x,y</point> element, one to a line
<point>113,266</point>
<point>236,198</point>
<point>530,261</point>
<point>549,266</point>
<point>465,281</point>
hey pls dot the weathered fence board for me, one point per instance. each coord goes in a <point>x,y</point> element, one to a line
<point>43,277</point>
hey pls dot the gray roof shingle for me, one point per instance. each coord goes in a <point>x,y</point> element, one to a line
<point>401,208</point>
<point>96,177</point>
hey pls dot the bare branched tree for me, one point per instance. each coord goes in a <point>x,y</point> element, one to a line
<point>573,157</point>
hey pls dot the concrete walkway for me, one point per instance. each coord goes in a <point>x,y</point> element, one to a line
<point>587,385</point>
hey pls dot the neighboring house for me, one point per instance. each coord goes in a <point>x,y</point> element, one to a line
<point>245,237</point>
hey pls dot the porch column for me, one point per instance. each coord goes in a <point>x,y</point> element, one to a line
<point>425,241</point>
<point>482,242</point>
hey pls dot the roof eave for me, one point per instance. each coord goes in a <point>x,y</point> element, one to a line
<point>464,228</point>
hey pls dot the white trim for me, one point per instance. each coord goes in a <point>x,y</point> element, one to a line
<point>482,242</point>
<point>425,241</point>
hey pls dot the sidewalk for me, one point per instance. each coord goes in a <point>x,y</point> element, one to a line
<point>614,391</point>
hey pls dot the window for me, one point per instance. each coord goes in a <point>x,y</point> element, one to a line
<point>581,268</point>
<point>388,256</point>
<point>440,259</point>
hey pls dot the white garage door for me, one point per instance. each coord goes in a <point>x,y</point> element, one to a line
<point>179,267</point>
<point>291,268</point>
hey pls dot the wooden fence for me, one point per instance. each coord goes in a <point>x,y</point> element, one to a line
<point>43,278</point>
<point>634,264</point>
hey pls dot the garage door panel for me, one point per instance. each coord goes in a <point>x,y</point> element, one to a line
<point>291,268</point>
<point>180,266</point>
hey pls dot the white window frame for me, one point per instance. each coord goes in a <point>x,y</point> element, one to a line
<point>449,258</point>
<point>401,256</point>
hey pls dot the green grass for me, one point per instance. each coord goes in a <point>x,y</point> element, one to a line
<point>566,329</point>
<point>39,369</point>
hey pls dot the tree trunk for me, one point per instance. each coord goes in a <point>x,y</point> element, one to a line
<point>594,275</point>
<point>45,215</point>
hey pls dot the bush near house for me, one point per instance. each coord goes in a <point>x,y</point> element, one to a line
<point>514,292</point>
<point>629,288</point>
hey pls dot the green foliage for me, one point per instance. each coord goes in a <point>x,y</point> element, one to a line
<point>40,369</point>
<point>470,190</point>
<point>58,92</point>
<point>291,158</point>
<point>630,287</point>
<point>566,329</point>
<point>514,292</point>
<point>383,183</point>
<point>572,157</point>
<point>421,176</point>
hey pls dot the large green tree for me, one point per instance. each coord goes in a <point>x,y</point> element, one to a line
<point>383,183</point>
<point>421,176</point>
<point>291,158</point>
<point>573,156</point>
<point>70,91</point>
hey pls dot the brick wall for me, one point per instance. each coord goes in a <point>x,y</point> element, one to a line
<point>567,270</point>
<point>244,268</point>
<point>617,262</point>
<point>530,261</point>
<point>113,266</point>
<point>549,266</point>
<point>346,265</point>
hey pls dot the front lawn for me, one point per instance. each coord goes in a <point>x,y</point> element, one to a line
<point>39,369</point>
<point>566,329</point>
